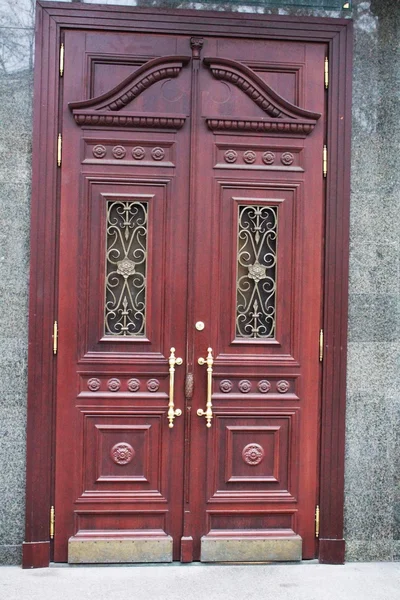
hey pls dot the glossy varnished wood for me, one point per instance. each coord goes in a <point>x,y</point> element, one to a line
<point>52,21</point>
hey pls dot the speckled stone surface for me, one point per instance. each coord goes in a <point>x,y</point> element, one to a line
<point>372,505</point>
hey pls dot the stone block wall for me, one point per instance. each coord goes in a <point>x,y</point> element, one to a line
<point>372,492</point>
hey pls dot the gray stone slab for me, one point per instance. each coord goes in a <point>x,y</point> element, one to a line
<point>120,550</point>
<point>374,318</point>
<point>373,367</point>
<point>369,470</point>
<point>248,549</point>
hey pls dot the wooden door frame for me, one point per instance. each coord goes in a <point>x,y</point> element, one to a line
<point>52,19</point>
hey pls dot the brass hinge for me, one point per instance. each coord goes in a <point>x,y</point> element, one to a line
<point>325,161</point>
<point>321,345</point>
<point>52,520</point>
<point>61,60</point>
<point>326,72</point>
<point>317,521</point>
<point>59,149</point>
<point>55,337</point>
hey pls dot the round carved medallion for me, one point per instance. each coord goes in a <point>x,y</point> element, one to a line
<point>230,156</point>
<point>93,384</point>
<point>118,152</point>
<point>268,158</point>
<point>114,385</point>
<point>253,454</point>
<point>287,158</point>
<point>225,386</point>
<point>134,385</point>
<point>153,385</point>
<point>264,386</point>
<point>99,151</point>
<point>122,453</point>
<point>244,386</point>
<point>158,153</point>
<point>138,153</point>
<point>249,157</point>
<point>282,386</point>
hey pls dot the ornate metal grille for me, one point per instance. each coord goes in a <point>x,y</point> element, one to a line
<point>256,271</point>
<point>126,263</point>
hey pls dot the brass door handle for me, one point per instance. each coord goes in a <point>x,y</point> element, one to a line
<point>209,362</point>
<point>172,411</point>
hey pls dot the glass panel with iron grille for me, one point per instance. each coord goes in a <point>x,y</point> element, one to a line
<point>126,264</point>
<point>256,271</point>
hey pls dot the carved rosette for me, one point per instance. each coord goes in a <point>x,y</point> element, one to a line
<point>264,386</point>
<point>93,384</point>
<point>138,153</point>
<point>249,157</point>
<point>133,385</point>
<point>99,151</point>
<point>253,454</point>
<point>282,386</point>
<point>287,159</point>
<point>230,156</point>
<point>225,386</point>
<point>153,385</point>
<point>114,384</point>
<point>122,453</point>
<point>268,158</point>
<point>245,386</point>
<point>158,153</point>
<point>119,152</point>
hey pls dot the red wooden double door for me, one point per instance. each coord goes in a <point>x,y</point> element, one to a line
<point>191,227</point>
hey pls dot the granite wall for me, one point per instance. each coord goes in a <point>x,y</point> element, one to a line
<point>372,502</point>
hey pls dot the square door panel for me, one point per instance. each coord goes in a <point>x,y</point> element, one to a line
<point>254,454</point>
<point>122,454</point>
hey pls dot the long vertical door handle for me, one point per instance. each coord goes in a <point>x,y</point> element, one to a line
<point>172,411</point>
<point>209,362</point>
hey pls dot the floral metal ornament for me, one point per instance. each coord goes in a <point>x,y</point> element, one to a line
<point>256,271</point>
<point>126,266</point>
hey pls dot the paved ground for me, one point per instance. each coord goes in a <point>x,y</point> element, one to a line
<point>306,581</point>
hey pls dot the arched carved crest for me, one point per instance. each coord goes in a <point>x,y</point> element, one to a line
<point>105,110</point>
<point>281,116</point>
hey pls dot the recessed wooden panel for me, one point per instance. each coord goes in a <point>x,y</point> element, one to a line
<point>122,453</point>
<point>124,521</point>
<point>254,454</point>
<point>225,521</point>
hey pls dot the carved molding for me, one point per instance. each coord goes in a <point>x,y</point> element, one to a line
<point>127,119</point>
<point>284,117</point>
<point>283,127</point>
<point>103,110</point>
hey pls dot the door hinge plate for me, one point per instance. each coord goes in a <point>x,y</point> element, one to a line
<point>55,337</point>
<point>59,149</point>
<point>61,60</point>
<point>317,521</point>
<point>326,72</point>
<point>52,521</point>
<point>321,345</point>
<point>325,161</point>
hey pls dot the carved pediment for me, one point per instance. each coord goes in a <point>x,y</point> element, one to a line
<point>107,109</point>
<point>280,115</point>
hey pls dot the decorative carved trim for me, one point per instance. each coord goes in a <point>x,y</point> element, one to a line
<point>281,126</point>
<point>285,118</point>
<point>189,384</point>
<point>101,111</point>
<point>254,87</point>
<point>119,96</point>
<point>196,44</point>
<point>126,119</point>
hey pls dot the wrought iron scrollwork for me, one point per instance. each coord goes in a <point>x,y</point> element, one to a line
<point>126,264</point>
<point>256,271</point>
